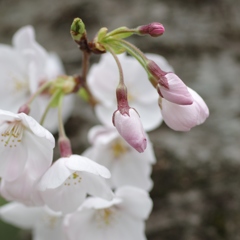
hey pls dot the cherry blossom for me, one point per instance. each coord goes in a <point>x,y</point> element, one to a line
<point>103,79</point>
<point>121,218</point>
<point>44,223</point>
<point>127,166</point>
<point>66,184</point>
<point>23,141</point>
<point>184,117</point>
<point>23,68</point>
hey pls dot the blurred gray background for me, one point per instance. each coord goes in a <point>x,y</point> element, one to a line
<point>197,177</point>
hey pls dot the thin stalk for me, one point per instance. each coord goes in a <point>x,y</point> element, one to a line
<point>121,80</point>
<point>60,119</point>
<point>38,92</point>
<point>132,50</point>
<point>49,106</point>
<point>85,65</point>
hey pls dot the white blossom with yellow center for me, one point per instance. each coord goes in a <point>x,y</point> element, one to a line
<point>121,218</point>
<point>23,68</point>
<point>66,184</point>
<point>23,141</point>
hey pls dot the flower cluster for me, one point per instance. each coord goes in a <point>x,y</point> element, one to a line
<point>93,196</point>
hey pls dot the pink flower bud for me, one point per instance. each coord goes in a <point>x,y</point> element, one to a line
<point>154,29</point>
<point>177,92</point>
<point>130,128</point>
<point>24,109</point>
<point>65,147</point>
<point>184,117</point>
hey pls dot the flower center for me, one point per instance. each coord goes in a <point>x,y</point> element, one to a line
<point>13,134</point>
<point>104,217</point>
<point>119,148</point>
<point>73,179</point>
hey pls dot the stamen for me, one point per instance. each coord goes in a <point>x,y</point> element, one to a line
<point>13,133</point>
<point>119,148</point>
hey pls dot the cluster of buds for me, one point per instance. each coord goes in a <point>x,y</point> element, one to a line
<point>60,190</point>
<point>173,93</point>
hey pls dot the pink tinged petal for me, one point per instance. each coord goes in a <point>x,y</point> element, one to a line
<point>19,190</point>
<point>97,186</point>
<point>83,164</point>
<point>20,215</point>
<point>203,108</point>
<point>177,92</point>
<point>131,129</point>
<point>183,118</point>
<point>136,201</point>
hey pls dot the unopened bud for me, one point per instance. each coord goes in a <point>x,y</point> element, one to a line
<point>154,29</point>
<point>77,29</point>
<point>24,109</point>
<point>130,128</point>
<point>157,73</point>
<point>65,147</point>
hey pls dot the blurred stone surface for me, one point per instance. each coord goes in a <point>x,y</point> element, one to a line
<point>197,181</point>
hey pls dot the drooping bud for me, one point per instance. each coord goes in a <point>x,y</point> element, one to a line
<point>154,29</point>
<point>130,128</point>
<point>169,85</point>
<point>127,121</point>
<point>65,147</point>
<point>157,75</point>
<point>77,29</point>
<point>184,117</point>
<point>177,92</point>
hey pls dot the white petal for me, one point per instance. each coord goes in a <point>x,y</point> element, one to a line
<point>129,170</point>
<point>20,215</point>
<point>55,175</point>
<point>37,129</point>
<point>136,202</point>
<point>99,203</point>
<point>97,186</point>
<point>40,154</point>
<point>65,198</point>
<point>80,163</point>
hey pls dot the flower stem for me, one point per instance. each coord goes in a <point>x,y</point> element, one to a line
<point>61,129</point>
<point>49,105</point>
<point>39,91</point>
<point>84,85</point>
<point>132,50</point>
<point>121,80</point>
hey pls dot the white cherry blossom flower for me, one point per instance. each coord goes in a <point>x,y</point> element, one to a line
<point>103,79</point>
<point>23,68</point>
<point>43,222</point>
<point>23,141</point>
<point>66,184</point>
<point>121,218</point>
<point>127,166</point>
